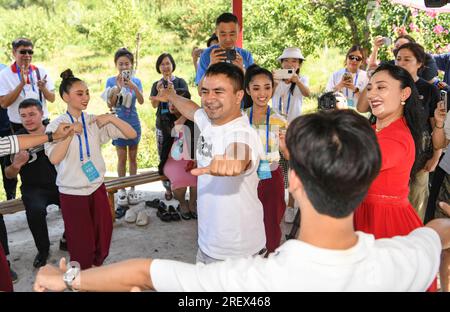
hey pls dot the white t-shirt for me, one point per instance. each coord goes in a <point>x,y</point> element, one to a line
<point>360,80</point>
<point>295,101</point>
<point>402,263</point>
<point>70,177</point>
<point>230,215</point>
<point>10,80</point>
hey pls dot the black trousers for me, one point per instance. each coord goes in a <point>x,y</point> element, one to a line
<point>438,178</point>
<point>36,200</point>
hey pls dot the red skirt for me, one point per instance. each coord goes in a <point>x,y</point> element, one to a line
<point>5,276</point>
<point>271,195</point>
<point>386,217</point>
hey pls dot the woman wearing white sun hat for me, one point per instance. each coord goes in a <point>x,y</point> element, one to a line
<point>287,101</point>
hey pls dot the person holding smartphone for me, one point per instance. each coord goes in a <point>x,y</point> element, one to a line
<point>125,91</point>
<point>287,101</point>
<point>23,80</point>
<point>227,30</point>
<point>165,65</point>
<point>351,79</point>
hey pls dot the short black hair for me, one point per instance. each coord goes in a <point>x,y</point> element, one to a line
<point>161,58</point>
<point>124,52</point>
<point>336,156</point>
<point>416,49</point>
<point>211,39</point>
<point>29,103</point>
<point>25,42</point>
<point>231,71</point>
<point>227,18</point>
<point>327,101</point>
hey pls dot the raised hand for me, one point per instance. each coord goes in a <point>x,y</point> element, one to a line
<point>440,114</point>
<point>50,277</point>
<point>63,131</point>
<point>42,83</point>
<point>217,55</point>
<point>222,166</point>
<point>20,159</point>
<point>239,61</point>
<point>164,93</point>
<point>101,120</point>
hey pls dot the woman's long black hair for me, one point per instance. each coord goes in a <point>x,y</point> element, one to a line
<point>412,112</point>
<point>251,72</point>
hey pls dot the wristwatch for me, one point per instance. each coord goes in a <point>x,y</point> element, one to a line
<point>50,136</point>
<point>70,275</point>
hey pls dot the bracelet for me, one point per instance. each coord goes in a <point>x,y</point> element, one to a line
<point>436,126</point>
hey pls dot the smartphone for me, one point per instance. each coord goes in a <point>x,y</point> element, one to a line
<point>387,41</point>
<point>347,76</point>
<point>280,74</point>
<point>126,74</point>
<point>230,54</point>
<point>444,98</point>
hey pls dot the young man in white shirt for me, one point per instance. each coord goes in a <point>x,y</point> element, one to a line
<point>334,158</point>
<point>23,80</point>
<point>230,215</point>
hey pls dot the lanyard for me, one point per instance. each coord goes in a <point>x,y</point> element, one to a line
<point>267,125</point>
<point>30,74</point>
<point>280,104</point>
<point>79,137</point>
<point>356,80</point>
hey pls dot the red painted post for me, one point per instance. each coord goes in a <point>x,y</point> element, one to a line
<point>237,10</point>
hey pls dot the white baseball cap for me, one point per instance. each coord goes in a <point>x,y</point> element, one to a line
<point>291,53</point>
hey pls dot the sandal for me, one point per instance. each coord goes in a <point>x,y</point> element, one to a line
<point>135,198</point>
<point>193,215</point>
<point>130,216</point>
<point>185,215</point>
<point>142,218</point>
<point>162,213</point>
<point>174,214</point>
<point>120,211</point>
<point>153,203</point>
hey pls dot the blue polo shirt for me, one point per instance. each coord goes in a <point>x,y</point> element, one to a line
<point>443,63</point>
<point>205,60</point>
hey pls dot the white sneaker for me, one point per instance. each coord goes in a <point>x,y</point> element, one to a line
<point>135,198</point>
<point>289,215</point>
<point>122,199</point>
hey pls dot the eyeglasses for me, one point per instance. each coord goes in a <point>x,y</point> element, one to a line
<point>29,52</point>
<point>354,58</point>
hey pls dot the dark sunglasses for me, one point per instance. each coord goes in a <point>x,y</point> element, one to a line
<point>23,52</point>
<point>355,58</point>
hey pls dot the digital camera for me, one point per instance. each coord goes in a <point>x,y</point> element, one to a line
<point>126,74</point>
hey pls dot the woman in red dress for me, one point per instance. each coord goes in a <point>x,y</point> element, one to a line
<point>393,98</point>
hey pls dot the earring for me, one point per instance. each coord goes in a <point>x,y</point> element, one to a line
<point>403,103</point>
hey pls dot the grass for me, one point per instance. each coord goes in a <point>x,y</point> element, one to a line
<point>95,68</point>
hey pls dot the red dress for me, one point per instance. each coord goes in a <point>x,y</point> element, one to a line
<point>386,211</point>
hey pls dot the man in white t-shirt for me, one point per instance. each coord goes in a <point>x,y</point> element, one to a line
<point>334,158</point>
<point>230,215</point>
<point>23,80</point>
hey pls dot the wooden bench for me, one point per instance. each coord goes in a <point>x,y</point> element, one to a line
<point>112,186</point>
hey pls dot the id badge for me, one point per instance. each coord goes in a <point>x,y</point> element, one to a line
<point>90,171</point>
<point>350,103</point>
<point>264,172</point>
